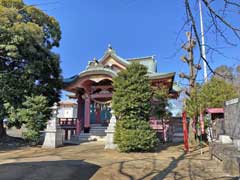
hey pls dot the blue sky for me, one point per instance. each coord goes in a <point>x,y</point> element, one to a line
<point>134,28</point>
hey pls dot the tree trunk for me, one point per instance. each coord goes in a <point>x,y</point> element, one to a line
<point>2,130</point>
<point>191,133</point>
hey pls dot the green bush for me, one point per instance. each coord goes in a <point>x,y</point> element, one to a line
<point>132,105</point>
<point>31,136</point>
<point>141,138</point>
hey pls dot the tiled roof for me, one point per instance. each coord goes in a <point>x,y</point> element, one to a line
<point>160,75</point>
<point>96,70</point>
<point>147,61</point>
<point>141,58</point>
<point>71,79</point>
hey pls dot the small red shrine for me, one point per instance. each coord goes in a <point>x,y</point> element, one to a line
<point>93,87</point>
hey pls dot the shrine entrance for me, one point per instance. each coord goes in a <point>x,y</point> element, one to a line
<point>100,114</point>
<point>93,91</point>
<point>101,96</point>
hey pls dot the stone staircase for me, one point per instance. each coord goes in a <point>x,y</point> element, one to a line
<point>97,133</point>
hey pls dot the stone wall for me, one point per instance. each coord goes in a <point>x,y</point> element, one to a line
<point>232,118</point>
<point>228,156</point>
<point>226,150</point>
<point>218,127</point>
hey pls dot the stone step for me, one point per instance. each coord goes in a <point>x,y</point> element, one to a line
<point>98,129</point>
<point>85,137</point>
<point>98,132</point>
<point>81,138</point>
<point>97,125</point>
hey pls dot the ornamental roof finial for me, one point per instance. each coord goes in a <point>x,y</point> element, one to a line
<point>109,46</point>
<point>110,50</point>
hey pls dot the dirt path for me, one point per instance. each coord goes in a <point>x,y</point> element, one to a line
<point>91,161</point>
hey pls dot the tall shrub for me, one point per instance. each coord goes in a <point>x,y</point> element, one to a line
<point>132,106</point>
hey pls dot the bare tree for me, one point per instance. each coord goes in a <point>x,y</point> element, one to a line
<point>191,78</point>
<point>189,59</point>
<point>219,25</point>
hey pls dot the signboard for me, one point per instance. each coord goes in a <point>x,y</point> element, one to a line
<point>232,101</point>
<point>232,119</point>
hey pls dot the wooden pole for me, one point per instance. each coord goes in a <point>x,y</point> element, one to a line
<point>185,131</point>
<point>202,129</point>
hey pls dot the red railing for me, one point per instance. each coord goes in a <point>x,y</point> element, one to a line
<point>160,126</point>
<point>65,122</point>
<point>69,125</point>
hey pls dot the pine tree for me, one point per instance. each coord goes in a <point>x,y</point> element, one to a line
<point>132,105</point>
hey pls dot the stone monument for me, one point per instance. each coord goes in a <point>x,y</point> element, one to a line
<point>109,143</point>
<point>53,133</point>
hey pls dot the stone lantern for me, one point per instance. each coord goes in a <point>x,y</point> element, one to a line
<point>53,133</point>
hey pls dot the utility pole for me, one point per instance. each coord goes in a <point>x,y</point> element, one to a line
<point>203,41</point>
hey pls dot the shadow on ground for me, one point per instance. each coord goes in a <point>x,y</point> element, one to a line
<point>8,143</point>
<point>53,170</point>
<point>191,168</point>
<point>165,146</point>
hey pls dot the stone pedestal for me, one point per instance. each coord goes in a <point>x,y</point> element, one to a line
<point>236,143</point>
<point>53,133</point>
<point>109,143</point>
<point>224,139</point>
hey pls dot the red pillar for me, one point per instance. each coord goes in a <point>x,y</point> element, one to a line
<point>202,123</point>
<point>79,114</point>
<point>98,114</point>
<point>185,131</point>
<point>87,114</point>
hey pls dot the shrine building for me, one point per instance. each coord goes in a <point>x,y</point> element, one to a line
<point>93,89</point>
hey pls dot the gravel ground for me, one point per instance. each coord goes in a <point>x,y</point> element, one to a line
<point>91,161</point>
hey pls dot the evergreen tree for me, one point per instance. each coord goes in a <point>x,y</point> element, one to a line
<point>132,105</point>
<point>27,64</point>
<point>160,97</point>
<point>34,114</point>
<point>212,94</point>
<point>215,92</point>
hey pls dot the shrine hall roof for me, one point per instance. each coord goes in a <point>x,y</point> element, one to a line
<point>160,75</point>
<point>90,70</point>
<point>70,79</point>
<point>96,66</point>
<point>148,61</point>
<point>151,75</point>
